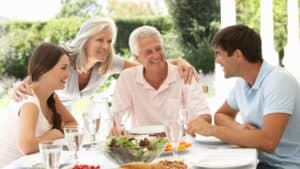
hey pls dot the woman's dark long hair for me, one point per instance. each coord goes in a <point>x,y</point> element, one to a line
<point>44,58</point>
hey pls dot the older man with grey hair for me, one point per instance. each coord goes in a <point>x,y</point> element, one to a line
<point>144,90</point>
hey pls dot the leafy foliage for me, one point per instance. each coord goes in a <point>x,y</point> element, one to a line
<point>16,47</point>
<point>196,22</point>
<point>126,25</point>
<point>248,13</point>
<point>129,9</point>
<point>79,8</point>
<point>62,29</point>
<point>20,38</point>
<point>171,46</point>
<point>201,55</point>
<point>26,25</point>
<point>112,8</point>
<point>280,26</point>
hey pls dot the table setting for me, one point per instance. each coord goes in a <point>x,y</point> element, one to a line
<point>197,155</point>
<point>160,144</point>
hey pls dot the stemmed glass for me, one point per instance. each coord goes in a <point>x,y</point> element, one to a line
<point>173,129</point>
<point>74,138</point>
<point>184,117</point>
<point>92,118</point>
<point>174,126</point>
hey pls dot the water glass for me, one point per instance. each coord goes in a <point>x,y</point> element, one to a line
<point>92,125</point>
<point>174,130</point>
<point>98,107</point>
<point>92,119</point>
<point>74,138</point>
<point>50,154</point>
<point>185,117</point>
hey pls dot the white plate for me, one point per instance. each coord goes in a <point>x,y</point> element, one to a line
<point>151,129</point>
<point>26,161</point>
<point>208,140</point>
<point>226,158</point>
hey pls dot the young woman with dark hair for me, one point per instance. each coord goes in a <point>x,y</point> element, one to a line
<point>41,116</point>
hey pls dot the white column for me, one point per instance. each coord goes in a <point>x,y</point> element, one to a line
<point>228,13</point>
<point>292,49</point>
<point>222,85</point>
<point>267,32</point>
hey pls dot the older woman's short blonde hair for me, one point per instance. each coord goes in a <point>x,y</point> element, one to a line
<point>140,33</point>
<point>88,29</point>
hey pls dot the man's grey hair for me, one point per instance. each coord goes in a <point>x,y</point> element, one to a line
<point>140,33</point>
<point>88,29</point>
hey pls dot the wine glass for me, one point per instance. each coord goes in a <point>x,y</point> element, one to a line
<point>92,125</point>
<point>184,117</point>
<point>74,138</point>
<point>174,126</point>
<point>173,129</point>
<point>92,117</point>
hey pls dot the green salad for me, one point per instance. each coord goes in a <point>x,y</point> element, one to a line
<point>125,150</point>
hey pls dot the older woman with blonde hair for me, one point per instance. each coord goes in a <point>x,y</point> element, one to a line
<point>93,61</point>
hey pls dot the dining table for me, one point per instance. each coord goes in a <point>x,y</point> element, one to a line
<point>203,153</point>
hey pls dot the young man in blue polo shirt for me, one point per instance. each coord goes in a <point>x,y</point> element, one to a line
<point>267,98</point>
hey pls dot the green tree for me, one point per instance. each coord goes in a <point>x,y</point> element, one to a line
<point>196,22</point>
<point>18,39</point>
<point>16,47</point>
<point>62,29</point>
<point>118,8</point>
<point>280,26</point>
<point>79,8</point>
<point>248,13</point>
<point>127,25</point>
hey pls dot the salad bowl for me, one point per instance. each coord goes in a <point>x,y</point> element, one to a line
<point>125,150</point>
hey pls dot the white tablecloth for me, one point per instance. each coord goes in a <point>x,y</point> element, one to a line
<point>220,155</point>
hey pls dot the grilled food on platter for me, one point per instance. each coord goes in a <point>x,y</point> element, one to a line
<point>165,164</point>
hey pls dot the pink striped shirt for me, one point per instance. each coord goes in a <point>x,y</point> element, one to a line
<point>147,105</point>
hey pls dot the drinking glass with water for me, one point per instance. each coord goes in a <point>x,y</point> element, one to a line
<point>74,138</point>
<point>174,130</point>
<point>92,118</point>
<point>50,154</point>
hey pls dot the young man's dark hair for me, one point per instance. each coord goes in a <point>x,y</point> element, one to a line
<point>239,37</point>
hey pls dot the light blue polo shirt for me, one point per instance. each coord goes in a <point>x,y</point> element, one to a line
<point>275,90</point>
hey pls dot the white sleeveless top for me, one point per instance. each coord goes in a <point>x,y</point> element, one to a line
<point>9,124</point>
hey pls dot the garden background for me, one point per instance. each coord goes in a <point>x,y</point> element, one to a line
<point>187,27</point>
